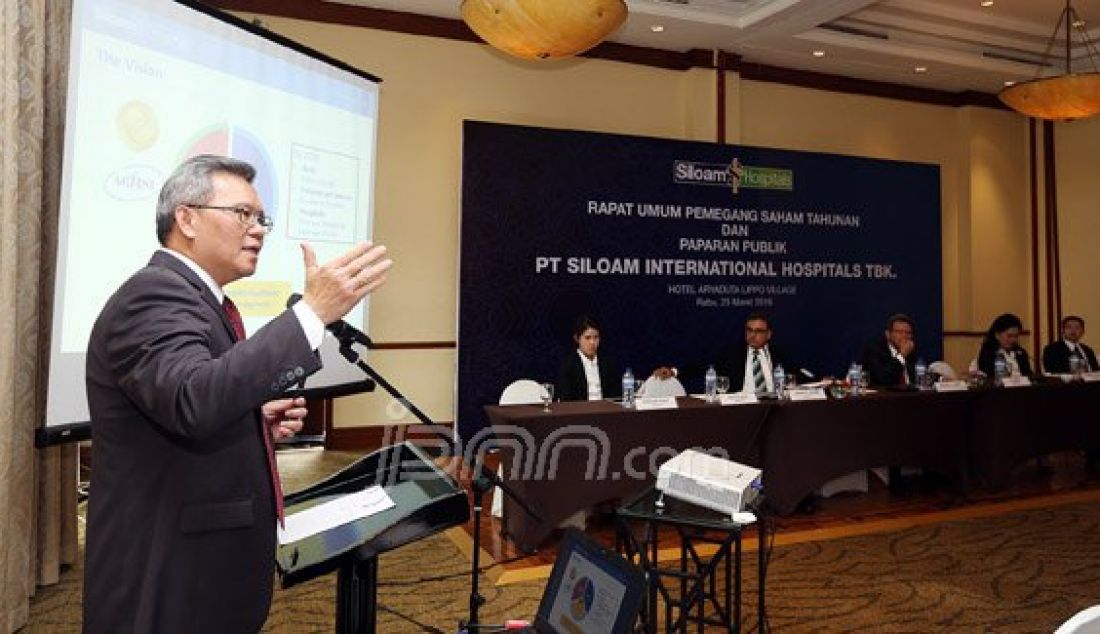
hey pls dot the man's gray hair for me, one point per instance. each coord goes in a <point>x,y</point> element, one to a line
<point>191,184</point>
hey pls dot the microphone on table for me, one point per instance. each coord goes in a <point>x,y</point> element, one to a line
<point>342,330</point>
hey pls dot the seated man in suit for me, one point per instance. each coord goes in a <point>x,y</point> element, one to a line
<point>1056,355</point>
<point>748,364</point>
<point>890,361</point>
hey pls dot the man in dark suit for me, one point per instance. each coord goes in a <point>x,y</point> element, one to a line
<point>184,493</point>
<point>749,363</point>
<point>891,360</point>
<point>1056,355</point>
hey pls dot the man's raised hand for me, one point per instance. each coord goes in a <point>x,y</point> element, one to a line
<point>334,288</point>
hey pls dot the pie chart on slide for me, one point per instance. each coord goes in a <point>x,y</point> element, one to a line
<point>580,601</point>
<point>231,140</point>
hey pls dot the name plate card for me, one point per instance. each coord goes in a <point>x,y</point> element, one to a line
<point>951,386</point>
<point>812,394</point>
<point>1091,377</point>
<point>1016,381</point>
<point>655,402</point>
<point>738,398</point>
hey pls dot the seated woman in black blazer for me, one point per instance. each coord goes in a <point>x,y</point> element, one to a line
<point>584,376</point>
<point>1001,340</point>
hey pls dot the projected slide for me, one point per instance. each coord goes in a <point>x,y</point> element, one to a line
<point>154,82</point>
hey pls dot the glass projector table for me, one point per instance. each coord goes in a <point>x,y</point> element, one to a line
<point>697,589</point>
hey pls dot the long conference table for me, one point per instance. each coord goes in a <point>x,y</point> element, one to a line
<point>581,454</point>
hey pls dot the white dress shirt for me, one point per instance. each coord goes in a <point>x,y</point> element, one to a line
<point>592,376</point>
<point>749,384</point>
<point>311,324</point>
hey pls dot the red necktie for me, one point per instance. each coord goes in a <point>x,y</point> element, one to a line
<point>234,317</point>
<point>272,466</point>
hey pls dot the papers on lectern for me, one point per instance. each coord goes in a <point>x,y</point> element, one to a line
<point>342,510</point>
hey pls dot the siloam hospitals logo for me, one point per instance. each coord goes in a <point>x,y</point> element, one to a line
<point>733,175</point>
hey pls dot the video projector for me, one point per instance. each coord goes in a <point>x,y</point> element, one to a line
<point>721,485</point>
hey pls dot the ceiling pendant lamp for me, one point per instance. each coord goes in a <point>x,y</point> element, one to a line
<point>543,29</point>
<point>1068,95</point>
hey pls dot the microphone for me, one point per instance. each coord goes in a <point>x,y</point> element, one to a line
<point>342,330</point>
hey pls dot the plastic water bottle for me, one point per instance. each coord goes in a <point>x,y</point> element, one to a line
<point>855,376</point>
<point>628,388</point>
<point>710,384</point>
<point>1000,369</point>
<point>921,370</point>
<point>779,380</point>
<point>1076,364</point>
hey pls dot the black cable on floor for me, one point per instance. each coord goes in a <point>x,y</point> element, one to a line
<point>423,626</point>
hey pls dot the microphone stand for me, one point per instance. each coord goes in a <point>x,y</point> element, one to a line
<point>482,481</point>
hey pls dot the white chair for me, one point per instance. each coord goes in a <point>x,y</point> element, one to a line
<point>855,482</point>
<point>521,392</point>
<point>942,368</point>
<point>1086,621</point>
<point>662,387</point>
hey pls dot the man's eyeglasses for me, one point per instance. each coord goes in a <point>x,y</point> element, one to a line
<point>248,216</point>
<point>756,331</point>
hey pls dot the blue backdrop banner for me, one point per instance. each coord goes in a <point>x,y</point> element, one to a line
<point>671,244</point>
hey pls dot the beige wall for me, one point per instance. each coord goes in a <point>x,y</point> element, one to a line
<point>1077,146</point>
<point>431,85</point>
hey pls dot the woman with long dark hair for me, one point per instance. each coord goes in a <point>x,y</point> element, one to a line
<point>1002,340</point>
<point>585,375</point>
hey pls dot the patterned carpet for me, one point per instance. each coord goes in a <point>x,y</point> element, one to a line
<point>1021,572</point>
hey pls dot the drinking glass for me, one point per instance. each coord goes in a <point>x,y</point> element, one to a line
<point>723,384</point>
<point>838,390</point>
<point>547,396</point>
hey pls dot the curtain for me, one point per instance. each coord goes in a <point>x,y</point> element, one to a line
<point>37,486</point>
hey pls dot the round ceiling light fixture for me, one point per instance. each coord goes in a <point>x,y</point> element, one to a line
<point>543,29</point>
<point>1069,95</point>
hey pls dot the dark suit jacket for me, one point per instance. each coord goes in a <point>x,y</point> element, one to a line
<point>572,385</point>
<point>1056,357</point>
<point>181,514</point>
<point>883,369</point>
<point>988,352</point>
<point>731,362</point>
